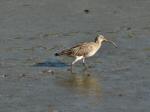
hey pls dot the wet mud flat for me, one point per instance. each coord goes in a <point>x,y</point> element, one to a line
<point>32,79</point>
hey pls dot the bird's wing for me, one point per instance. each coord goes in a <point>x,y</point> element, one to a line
<point>72,51</point>
<point>81,49</point>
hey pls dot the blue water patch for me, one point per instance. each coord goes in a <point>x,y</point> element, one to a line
<point>51,63</point>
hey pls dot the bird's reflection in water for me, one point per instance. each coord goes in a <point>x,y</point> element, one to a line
<point>83,83</point>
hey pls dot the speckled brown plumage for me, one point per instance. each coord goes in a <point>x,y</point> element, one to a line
<point>84,50</point>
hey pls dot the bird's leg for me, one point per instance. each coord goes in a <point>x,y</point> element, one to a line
<point>84,63</point>
<point>83,60</point>
<point>77,59</point>
<point>71,68</point>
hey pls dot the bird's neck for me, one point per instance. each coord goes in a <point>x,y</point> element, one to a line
<point>99,42</point>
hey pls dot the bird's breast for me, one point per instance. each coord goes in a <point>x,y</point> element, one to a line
<point>91,53</point>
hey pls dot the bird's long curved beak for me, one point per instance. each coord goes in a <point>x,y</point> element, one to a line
<point>112,43</point>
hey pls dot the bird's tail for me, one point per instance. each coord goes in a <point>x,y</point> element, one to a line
<point>58,54</point>
<point>64,52</point>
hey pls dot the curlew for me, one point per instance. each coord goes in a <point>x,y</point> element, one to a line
<point>84,50</point>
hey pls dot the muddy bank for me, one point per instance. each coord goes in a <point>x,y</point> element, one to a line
<point>32,31</point>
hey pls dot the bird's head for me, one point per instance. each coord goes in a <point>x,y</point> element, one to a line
<point>101,38</point>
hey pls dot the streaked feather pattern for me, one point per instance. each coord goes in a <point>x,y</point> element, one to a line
<point>82,49</point>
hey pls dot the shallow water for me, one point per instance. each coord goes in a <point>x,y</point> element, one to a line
<point>33,80</point>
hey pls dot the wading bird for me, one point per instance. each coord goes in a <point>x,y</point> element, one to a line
<point>84,50</point>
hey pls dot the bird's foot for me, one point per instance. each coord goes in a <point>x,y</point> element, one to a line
<point>70,69</point>
<point>85,65</point>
